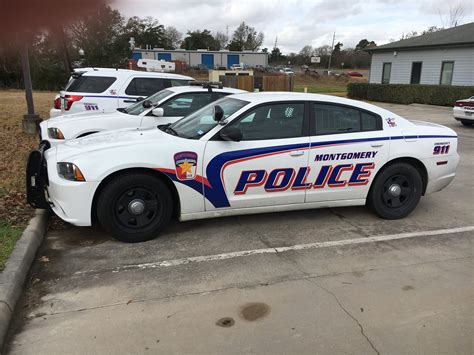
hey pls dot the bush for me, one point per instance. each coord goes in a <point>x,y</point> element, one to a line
<point>407,94</point>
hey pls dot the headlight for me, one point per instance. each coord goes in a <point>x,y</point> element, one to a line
<point>71,172</point>
<point>55,133</point>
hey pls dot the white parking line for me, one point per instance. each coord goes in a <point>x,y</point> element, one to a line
<point>239,254</point>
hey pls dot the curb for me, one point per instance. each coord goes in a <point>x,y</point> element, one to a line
<point>18,265</point>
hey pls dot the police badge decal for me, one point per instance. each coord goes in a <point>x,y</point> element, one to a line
<point>186,165</point>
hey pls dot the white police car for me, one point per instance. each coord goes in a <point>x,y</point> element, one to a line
<point>165,106</point>
<point>463,111</point>
<point>247,153</point>
<point>99,90</point>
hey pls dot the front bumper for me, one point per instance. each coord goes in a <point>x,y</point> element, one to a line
<point>70,200</point>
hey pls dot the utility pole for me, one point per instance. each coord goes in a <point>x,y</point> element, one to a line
<point>332,49</point>
<point>31,120</point>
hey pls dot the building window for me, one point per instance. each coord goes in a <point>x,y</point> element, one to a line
<point>446,73</point>
<point>415,72</point>
<point>387,68</point>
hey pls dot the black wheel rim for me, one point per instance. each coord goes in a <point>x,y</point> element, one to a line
<point>397,191</point>
<point>136,208</point>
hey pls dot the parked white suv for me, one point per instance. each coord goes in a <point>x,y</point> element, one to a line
<point>100,90</point>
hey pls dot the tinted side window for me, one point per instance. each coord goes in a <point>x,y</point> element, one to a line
<point>272,122</point>
<point>333,119</point>
<point>182,105</point>
<point>146,86</point>
<point>179,82</point>
<point>91,84</point>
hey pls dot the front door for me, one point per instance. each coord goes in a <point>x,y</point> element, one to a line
<point>265,167</point>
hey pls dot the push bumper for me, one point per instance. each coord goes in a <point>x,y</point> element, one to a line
<point>37,177</point>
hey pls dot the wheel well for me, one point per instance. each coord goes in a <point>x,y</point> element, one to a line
<point>86,134</point>
<point>158,174</point>
<point>413,162</point>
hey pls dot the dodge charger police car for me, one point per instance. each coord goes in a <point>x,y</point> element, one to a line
<point>165,106</point>
<point>463,111</point>
<point>246,153</point>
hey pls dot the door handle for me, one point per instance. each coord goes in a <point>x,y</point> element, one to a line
<point>130,101</point>
<point>375,145</point>
<point>297,153</point>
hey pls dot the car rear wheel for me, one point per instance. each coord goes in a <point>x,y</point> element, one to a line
<point>134,207</point>
<point>467,123</point>
<point>396,191</point>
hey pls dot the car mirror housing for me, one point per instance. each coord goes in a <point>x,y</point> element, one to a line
<point>231,134</point>
<point>218,113</point>
<point>147,104</point>
<point>158,112</point>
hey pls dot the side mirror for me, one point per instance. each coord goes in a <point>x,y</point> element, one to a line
<point>158,112</point>
<point>147,104</point>
<point>141,98</point>
<point>218,113</point>
<point>231,134</point>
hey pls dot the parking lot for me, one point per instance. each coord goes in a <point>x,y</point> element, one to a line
<point>294,282</point>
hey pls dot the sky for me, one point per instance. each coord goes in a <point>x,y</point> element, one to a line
<point>302,22</point>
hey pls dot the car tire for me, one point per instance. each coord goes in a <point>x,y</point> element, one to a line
<point>396,191</point>
<point>466,123</point>
<point>134,207</point>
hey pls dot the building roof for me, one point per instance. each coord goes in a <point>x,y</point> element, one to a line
<point>456,36</point>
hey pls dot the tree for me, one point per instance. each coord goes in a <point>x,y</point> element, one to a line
<point>275,55</point>
<point>246,38</point>
<point>364,43</point>
<point>173,37</point>
<point>337,48</point>
<point>200,40</point>
<point>222,38</point>
<point>454,17</point>
<point>104,42</point>
<point>146,31</point>
<point>306,53</point>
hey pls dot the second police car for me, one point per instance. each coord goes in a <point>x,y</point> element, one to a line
<point>165,106</point>
<point>247,153</point>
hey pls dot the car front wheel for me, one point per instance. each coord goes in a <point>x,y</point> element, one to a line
<point>134,207</point>
<point>396,191</point>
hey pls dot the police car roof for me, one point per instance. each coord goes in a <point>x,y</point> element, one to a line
<point>127,72</point>
<point>275,96</point>
<point>197,88</point>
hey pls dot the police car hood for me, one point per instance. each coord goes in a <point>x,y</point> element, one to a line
<point>53,122</point>
<point>110,140</point>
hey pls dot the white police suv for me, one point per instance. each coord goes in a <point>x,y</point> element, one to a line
<point>246,153</point>
<point>99,90</point>
<point>165,106</point>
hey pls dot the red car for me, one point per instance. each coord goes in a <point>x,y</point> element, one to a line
<point>354,73</point>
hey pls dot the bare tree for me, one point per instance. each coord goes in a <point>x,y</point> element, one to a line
<point>173,37</point>
<point>454,17</point>
<point>222,38</point>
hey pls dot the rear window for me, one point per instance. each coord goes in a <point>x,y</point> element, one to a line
<point>91,84</point>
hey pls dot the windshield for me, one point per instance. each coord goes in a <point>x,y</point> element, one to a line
<point>197,124</point>
<point>138,108</point>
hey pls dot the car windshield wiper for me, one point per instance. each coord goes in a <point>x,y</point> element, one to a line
<point>168,129</point>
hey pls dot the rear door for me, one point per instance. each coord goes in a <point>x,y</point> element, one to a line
<point>136,88</point>
<point>348,147</point>
<point>264,168</point>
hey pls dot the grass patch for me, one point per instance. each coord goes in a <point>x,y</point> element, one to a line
<point>8,237</point>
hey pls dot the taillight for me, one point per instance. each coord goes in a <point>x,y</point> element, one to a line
<point>70,99</point>
<point>57,103</point>
<point>461,103</point>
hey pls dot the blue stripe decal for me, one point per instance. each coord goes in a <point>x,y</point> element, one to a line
<point>106,97</point>
<point>215,192</point>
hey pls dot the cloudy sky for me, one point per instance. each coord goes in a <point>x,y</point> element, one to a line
<point>301,22</point>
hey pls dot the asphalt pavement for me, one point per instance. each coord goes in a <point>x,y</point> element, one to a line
<point>319,281</point>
